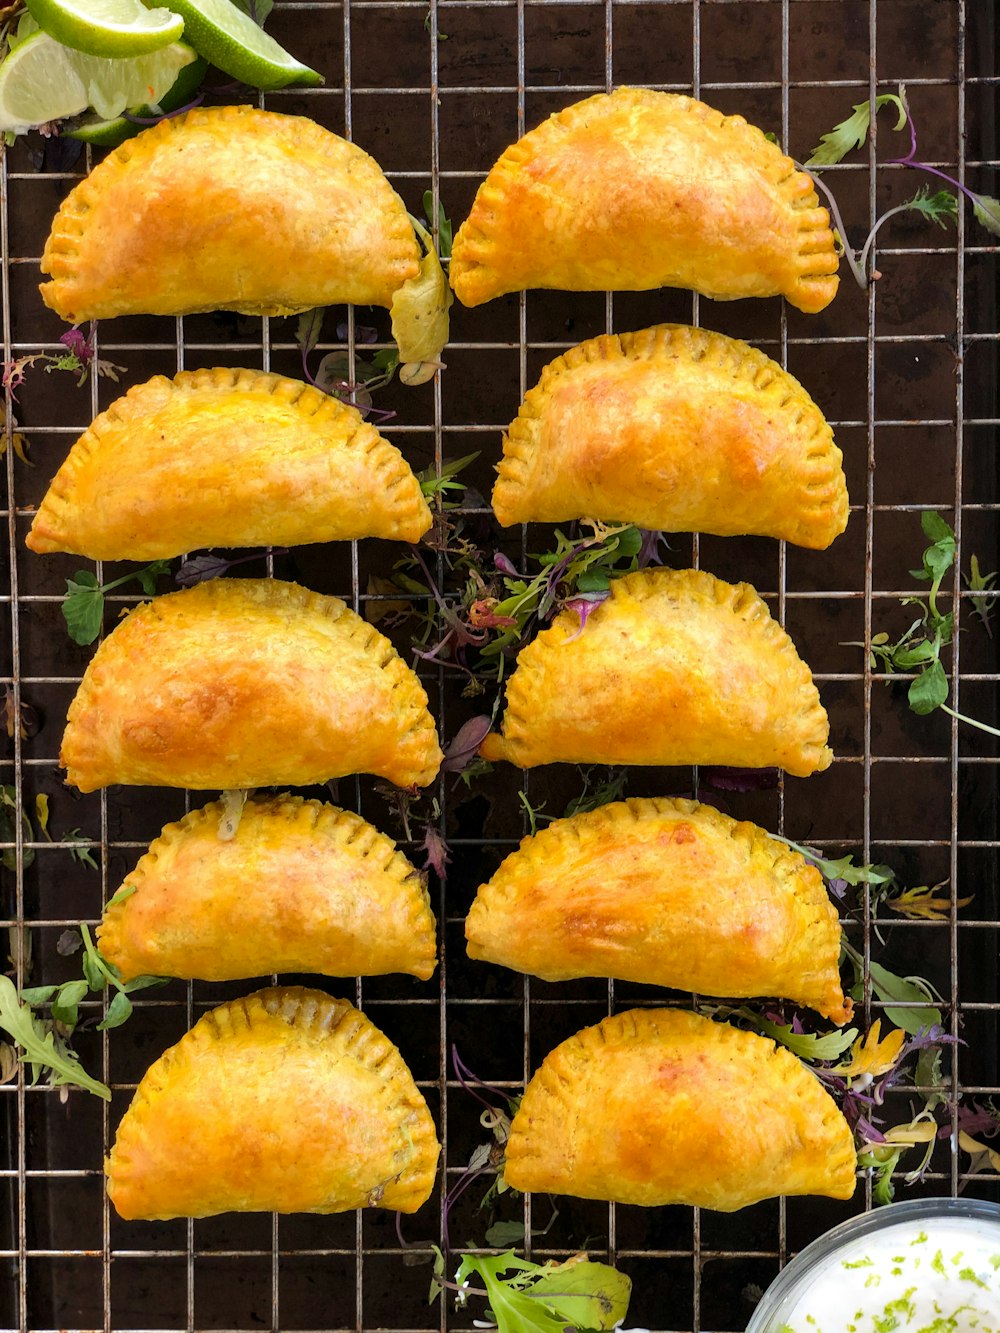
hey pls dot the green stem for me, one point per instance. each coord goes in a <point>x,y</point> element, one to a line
<point>961,717</point>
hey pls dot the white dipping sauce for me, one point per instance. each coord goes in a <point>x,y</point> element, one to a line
<point>938,1275</point>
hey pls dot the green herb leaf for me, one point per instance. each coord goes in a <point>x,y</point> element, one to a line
<point>66,1003</point>
<point>904,991</point>
<point>83,608</point>
<point>119,1010</point>
<point>419,314</point>
<point>79,851</point>
<point>940,208</point>
<point>852,132</point>
<point>844,869</point>
<point>981,584</point>
<point>929,690</point>
<point>437,483</point>
<point>38,1048</point>
<point>987,212</point>
<point>545,1298</point>
<point>808,1046</point>
<point>149,574</point>
<point>501,1234</point>
<point>444,224</point>
<point>121,894</point>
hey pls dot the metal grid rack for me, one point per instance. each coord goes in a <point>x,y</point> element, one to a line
<point>907,375</point>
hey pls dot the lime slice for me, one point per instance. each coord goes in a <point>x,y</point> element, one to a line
<point>42,80</point>
<point>232,42</point>
<point>114,28</point>
<point>110,133</point>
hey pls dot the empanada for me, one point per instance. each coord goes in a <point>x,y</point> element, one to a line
<point>247,683</point>
<point>676,667</point>
<point>666,893</point>
<point>635,189</point>
<point>300,887</point>
<point>229,208</point>
<point>659,1106</point>
<point>287,1101</point>
<point>677,429</point>
<point>226,458</point>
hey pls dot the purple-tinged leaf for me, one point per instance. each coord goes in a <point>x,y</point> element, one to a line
<point>198,568</point>
<point>864,1127</point>
<point>739,779</point>
<point>505,566</point>
<point>975,1119</point>
<point>584,606</point>
<point>436,848</point>
<point>650,552</point>
<point>363,333</point>
<point>465,744</point>
<point>81,347</point>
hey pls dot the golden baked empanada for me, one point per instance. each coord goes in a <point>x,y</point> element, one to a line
<point>667,893</point>
<point>299,887</point>
<point>676,429</point>
<point>229,208</point>
<point>659,1106</point>
<point>676,667</point>
<point>635,189</point>
<point>287,1101</point>
<point>247,683</point>
<point>226,458</point>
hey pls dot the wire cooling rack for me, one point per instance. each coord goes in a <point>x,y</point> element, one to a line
<point>908,376</point>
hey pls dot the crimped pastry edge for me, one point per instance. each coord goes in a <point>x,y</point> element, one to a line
<point>327,1019</point>
<point>364,839</point>
<point>53,528</point>
<point>816,281</point>
<point>823,512</point>
<point>541,852</point>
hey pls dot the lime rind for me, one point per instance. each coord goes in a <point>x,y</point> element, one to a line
<point>231,41</point>
<point>113,29</point>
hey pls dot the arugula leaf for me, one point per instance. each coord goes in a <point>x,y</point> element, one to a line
<point>434,483</point>
<point>545,1298</point>
<point>941,207</point>
<point>980,585</point>
<point>852,132</point>
<point>79,851</point>
<point>37,1046</point>
<point>808,1046</point>
<point>83,609</point>
<point>843,870</point>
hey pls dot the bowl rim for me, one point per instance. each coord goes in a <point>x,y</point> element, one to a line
<point>863,1224</point>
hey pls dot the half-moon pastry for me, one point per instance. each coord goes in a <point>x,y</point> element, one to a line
<point>676,667</point>
<point>676,429</point>
<point>287,1101</point>
<point>659,1106</point>
<point>226,458</point>
<point>299,887</point>
<point>665,893</point>
<point>635,189</point>
<point>229,208</point>
<point>247,683</point>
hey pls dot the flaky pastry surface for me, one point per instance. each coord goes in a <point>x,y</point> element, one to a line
<point>637,189</point>
<point>228,208</point>
<point>217,458</point>
<point>676,667</point>
<point>677,429</point>
<point>660,1106</point>
<point>665,893</point>
<point>286,1101</point>
<point>299,887</point>
<point>247,683</point>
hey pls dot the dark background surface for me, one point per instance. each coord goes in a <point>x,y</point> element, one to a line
<point>907,376</point>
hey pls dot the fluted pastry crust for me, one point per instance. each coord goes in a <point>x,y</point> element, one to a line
<point>228,208</point>
<point>300,887</point>
<point>636,189</point>
<point>247,683</point>
<point>665,893</point>
<point>676,667</point>
<point>677,429</point>
<point>659,1106</point>
<point>286,1101</point>
<point>226,458</point>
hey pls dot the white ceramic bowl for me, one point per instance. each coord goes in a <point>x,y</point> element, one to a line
<point>823,1258</point>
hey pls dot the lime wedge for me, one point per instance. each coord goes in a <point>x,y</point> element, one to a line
<point>232,42</point>
<point>113,28</point>
<point>42,80</point>
<point>110,133</point>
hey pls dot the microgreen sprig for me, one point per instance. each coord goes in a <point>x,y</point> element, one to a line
<point>939,208</point>
<point>83,608</point>
<point>79,358</point>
